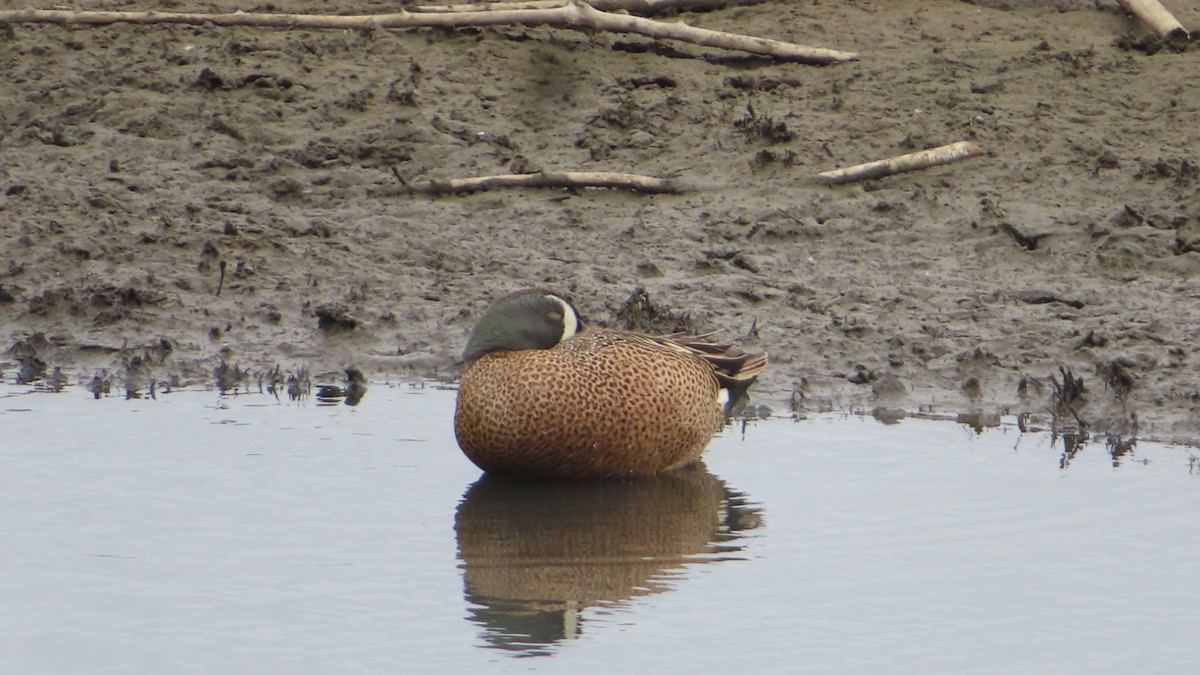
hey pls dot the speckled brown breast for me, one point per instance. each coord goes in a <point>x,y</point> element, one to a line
<point>602,403</point>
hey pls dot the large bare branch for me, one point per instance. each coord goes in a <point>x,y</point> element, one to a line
<point>642,7</point>
<point>1162,22</point>
<point>574,14</point>
<point>901,163</point>
<point>578,179</point>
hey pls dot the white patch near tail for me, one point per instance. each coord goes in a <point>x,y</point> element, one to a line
<point>570,318</point>
<point>722,397</point>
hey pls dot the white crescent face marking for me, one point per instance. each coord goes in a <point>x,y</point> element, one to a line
<point>570,318</point>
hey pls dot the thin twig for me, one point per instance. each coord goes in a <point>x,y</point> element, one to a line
<point>910,162</point>
<point>574,179</point>
<point>574,14</point>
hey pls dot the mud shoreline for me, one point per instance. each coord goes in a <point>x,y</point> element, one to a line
<point>202,205</point>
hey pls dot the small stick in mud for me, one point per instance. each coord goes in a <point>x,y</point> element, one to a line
<point>910,162</point>
<point>1162,22</point>
<point>574,179</point>
<point>221,280</point>
<point>574,14</point>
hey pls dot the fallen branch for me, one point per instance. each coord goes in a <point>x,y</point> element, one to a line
<point>642,7</point>
<point>1162,22</point>
<point>910,162</point>
<point>574,14</point>
<point>571,179</point>
<point>496,7</point>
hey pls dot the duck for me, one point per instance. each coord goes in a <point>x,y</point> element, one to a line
<point>543,396</point>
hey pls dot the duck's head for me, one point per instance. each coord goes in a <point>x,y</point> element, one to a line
<point>530,319</point>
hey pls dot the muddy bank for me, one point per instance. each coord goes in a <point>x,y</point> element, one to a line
<point>177,198</point>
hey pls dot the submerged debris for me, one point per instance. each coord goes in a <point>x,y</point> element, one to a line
<point>295,383</point>
<point>100,384</point>
<point>1067,398</point>
<point>27,353</point>
<point>353,389</point>
<point>229,378</point>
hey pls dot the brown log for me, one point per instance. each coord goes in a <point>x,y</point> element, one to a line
<point>1162,22</point>
<point>572,179</point>
<point>902,163</point>
<point>574,14</point>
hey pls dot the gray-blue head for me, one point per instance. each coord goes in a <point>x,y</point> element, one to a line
<point>529,319</point>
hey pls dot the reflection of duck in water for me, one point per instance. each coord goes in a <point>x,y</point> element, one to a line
<point>536,554</point>
<point>542,396</point>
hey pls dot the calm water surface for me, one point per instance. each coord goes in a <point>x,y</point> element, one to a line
<point>196,533</point>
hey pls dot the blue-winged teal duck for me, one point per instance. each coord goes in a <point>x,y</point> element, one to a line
<point>542,396</point>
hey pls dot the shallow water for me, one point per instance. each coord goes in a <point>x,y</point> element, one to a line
<point>201,533</point>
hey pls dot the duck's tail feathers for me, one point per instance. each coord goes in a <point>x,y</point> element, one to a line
<point>735,368</point>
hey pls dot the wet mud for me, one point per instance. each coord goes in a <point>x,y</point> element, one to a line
<point>230,205</point>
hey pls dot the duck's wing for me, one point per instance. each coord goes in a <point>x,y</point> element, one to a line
<point>735,368</point>
<point>730,360</point>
